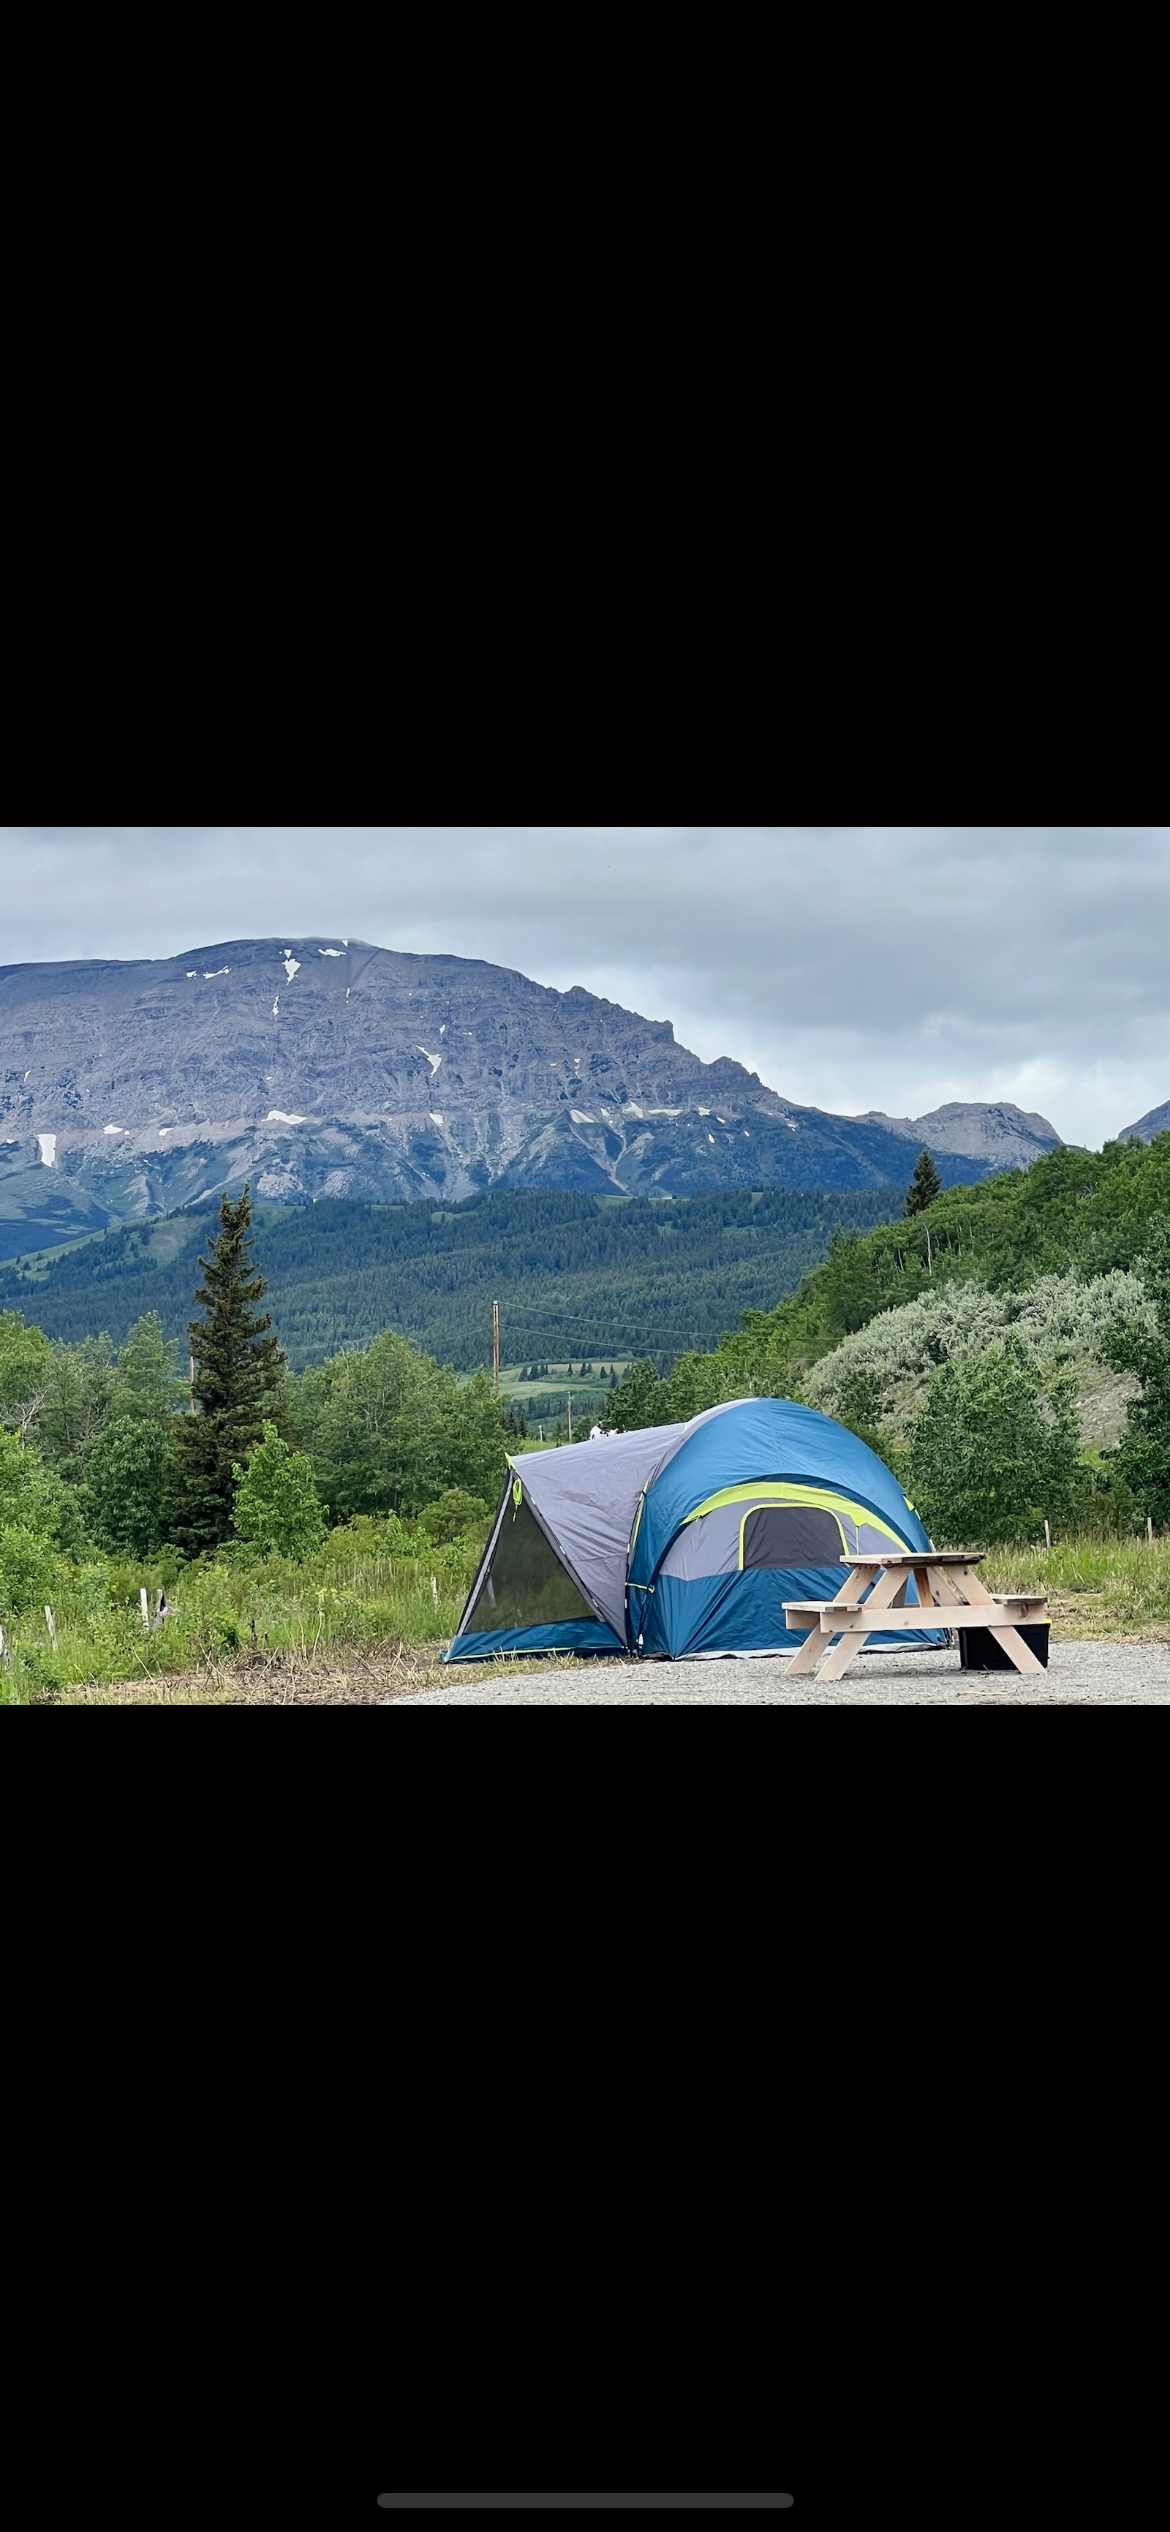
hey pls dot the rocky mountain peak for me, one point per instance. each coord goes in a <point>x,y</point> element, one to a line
<point>334,1067</point>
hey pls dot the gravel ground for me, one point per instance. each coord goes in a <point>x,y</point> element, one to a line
<point>1102,1672</point>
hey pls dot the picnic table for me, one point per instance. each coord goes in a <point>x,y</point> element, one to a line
<point>946,1582</point>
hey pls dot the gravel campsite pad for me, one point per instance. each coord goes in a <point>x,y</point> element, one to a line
<point>1098,1673</point>
<point>1101,1671</point>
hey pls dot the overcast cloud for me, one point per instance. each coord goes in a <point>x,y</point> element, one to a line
<point>852,967</point>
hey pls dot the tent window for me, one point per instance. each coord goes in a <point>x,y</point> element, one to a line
<point>526,1583</point>
<point>790,1534</point>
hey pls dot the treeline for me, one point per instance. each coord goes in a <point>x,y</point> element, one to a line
<point>1077,1212</point>
<point>112,1452</point>
<point>991,1291</point>
<point>577,1277</point>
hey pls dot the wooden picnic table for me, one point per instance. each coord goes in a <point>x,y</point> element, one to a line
<point>946,1583</point>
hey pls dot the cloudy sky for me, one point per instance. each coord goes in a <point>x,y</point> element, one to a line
<point>852,967</point>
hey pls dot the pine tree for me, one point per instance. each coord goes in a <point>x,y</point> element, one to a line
<point>924,1186</point>
<point>239,1372</point>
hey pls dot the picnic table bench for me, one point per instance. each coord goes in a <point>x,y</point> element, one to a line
<point>874,1602</point>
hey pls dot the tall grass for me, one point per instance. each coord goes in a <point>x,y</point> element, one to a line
<point>1095,1586</point>
<point>362,1595</point>
<point>342,1596</point>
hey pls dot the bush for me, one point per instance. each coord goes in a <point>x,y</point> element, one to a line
<point>390,1430</point>
<point>1060,1317</point>
<point>276,1503</point>
<point>125,1481</point>
<point>984,1463</point>
<point>1143,1455</point>
<point>453,1515</point>
<point>27,1566</point>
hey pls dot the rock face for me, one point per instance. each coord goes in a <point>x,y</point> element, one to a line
<point>1156,1122</point>
<point>999,1132</point>
<point>334,1068</point>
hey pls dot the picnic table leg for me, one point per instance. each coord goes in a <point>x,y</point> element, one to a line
<point>888,1590</point>
<point>810,1651</point>
<point>976,1601</point>
<point>979,1599</point>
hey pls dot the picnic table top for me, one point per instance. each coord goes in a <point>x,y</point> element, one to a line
<point>924,1556</point>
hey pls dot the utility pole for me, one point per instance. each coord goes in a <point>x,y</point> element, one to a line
<point>496,1347</point>
<point>569,1396</point>
<point>191,1382</point>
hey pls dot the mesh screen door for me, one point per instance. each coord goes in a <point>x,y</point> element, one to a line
<point>526,1583</point>
<point>791,1534</point>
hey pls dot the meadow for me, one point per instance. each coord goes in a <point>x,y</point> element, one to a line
<point>357,1623</point>
<point>354,1595</point>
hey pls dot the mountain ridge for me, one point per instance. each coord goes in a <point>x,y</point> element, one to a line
<point>320,1067</point>
<point>1155,1121</point>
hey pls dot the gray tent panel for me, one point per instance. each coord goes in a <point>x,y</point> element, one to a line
<point>586,1498</point>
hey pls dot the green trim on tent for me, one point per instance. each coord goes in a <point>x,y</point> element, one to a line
<point>782,1490</point>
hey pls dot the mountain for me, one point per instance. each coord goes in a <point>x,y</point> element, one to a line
<point>998,1132</point>
<point>1157,1121</point>
<point>334,1068</point>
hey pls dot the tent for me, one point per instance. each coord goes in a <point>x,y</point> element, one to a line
<point>683,1540</point>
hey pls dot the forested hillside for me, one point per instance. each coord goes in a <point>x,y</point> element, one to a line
<point>1074,1214</point>
<point>575,1275</point>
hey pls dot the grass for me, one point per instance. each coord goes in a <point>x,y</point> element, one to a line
<point>356,1624</point>
<point>352,1597</point>
<point>356,1677</point>
<point>1095,1586</point>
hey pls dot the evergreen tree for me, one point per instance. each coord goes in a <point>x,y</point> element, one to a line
<point>239,1373</point>
<point>924,1186</point>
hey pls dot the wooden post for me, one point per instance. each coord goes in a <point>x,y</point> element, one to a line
<point>496,1347</point>
<point>1047,1536</point>
<point>144,1605</point>
<point>51,1624</point>
<point>569,1396</point>
<point>1149,1531</point>
<point>434,1591</point>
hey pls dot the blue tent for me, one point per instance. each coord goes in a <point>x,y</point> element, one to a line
<point>683,1540</point>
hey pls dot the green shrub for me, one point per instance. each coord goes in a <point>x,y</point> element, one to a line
<point>125,1481</point>
<point>27,1568</point>
<point>276,1503</point>
<point>984,1462</point>
<point>452,1515</point>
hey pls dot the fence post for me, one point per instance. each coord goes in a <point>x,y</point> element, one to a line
<point>144,1605</point>
<point>434,1591</point>
<point>1047,1536</point>
<point>51,1624</point>
<point>1149,1530</point>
